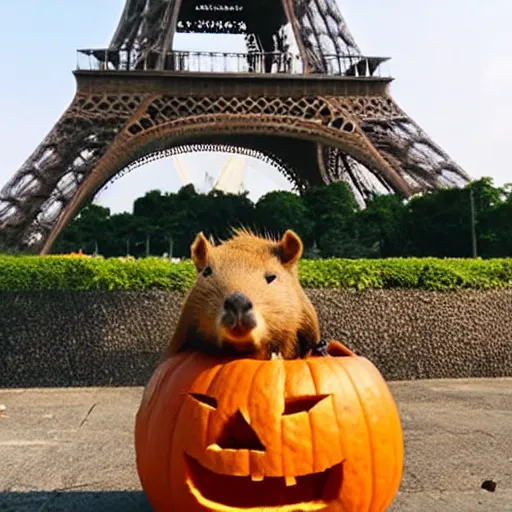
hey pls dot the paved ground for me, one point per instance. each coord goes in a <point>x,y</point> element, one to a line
<point>72,449</point>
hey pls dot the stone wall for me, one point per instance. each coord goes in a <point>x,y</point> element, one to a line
<point>115,338</point>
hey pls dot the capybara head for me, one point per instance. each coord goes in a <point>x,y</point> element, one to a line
<point>247,297</point>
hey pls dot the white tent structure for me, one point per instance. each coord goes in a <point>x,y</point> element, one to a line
<point>231,178</point>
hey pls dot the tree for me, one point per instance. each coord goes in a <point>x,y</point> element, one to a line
<point>495,232</point>
<point>281,210</point>
<point>438,224</point>
<point>493,211</point>
<point>381,226</point>
<point>88,231</point>
<point>161,217</point>
<point>219,213</point>
<point>326,217</point>
<point>128,235</point>
<point>332,209</point>
<point>151,205</point>
<point>485,195</point>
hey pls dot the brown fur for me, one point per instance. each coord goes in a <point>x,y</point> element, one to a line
<point>286,320</point>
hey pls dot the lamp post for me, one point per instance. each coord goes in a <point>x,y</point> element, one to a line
<point>473,222</point>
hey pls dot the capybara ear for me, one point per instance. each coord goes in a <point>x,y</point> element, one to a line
<point>290,248</point>
<point>199,251</point>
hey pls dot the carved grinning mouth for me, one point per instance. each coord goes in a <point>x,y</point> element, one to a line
<point>226,492</point>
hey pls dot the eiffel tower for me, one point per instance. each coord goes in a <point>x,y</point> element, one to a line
<point>302,97</point>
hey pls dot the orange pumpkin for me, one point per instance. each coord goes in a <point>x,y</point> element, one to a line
<point>321,433</point>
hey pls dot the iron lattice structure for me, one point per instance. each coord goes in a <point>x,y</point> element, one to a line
<point>302,96</point>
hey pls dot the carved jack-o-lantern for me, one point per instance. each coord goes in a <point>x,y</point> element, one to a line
<point>321,433</point>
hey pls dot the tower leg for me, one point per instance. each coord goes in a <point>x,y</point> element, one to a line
<point>39,191</point>
<point>423,163</point>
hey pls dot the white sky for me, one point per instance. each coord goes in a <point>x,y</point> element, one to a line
<point>451,60</point>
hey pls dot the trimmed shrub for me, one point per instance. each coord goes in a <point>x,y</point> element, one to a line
<point>19,273</point>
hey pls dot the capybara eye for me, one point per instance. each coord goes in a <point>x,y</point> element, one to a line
<point>270,277</point>
<point>207,271</point>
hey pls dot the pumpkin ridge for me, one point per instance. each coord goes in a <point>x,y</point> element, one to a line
<point>368,430</point>
<point>208,391</point>
<point>281,441</point>
<point>313,442</point>
<point>330,363</point>
<point>160,375</point>
<point>345,372</point>
<point>396,479</point>
<point>148,399</point>
<point>193,357</point>
<point>398,464</point>
<point>148,414</point>
<point>260,366</point>
<point>167,368</point>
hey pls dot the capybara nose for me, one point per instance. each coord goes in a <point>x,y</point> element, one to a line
<point>238,303</point>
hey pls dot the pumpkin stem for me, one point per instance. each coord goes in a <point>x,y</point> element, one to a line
<point>336,349</point>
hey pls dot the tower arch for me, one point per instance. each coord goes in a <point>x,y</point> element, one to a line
<point>255,132</point>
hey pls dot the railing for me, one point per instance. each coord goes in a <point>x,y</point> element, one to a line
<point>216,62</point>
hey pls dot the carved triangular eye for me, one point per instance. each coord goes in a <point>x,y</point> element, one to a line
<point>205,399</point>
<point>296,404</point>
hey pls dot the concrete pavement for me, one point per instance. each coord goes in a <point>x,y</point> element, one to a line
<point>72,449</point>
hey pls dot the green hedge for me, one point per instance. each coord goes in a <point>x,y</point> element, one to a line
<point>82,273</point>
